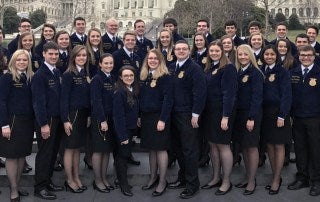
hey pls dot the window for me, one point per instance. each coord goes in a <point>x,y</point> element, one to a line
<point>280,10</point>
<point>286,12</point>
<point>301,12</point>
<point>315,12</point>
<point>294,11</point>
<point>308,12</point>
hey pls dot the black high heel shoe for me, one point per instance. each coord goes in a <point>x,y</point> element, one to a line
<point>238,161</point>
<point>249,192</point>
<point>274,192</point>
<point>68,188</point>
<point>156,193</point>
<point>147,187</point>
<point>95,187</point>
<point>87,164</point>
<point>219,192</point>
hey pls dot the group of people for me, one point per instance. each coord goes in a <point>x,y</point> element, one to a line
<point>219,97</point>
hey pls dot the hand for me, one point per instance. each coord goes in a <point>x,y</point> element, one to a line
<point>45,131</point>
<point>194,122</point>
<point>6,132</point>
<point>224,123</point>
<point>104,126</point>
<point>280,123</point>
<point>125,142</point>
<point>88,122</point>
<point>161,125</point>
<point>250,125</point>
<point>67,128</point>
<point>139,122</point>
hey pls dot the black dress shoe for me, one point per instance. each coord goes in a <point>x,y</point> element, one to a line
<point>23,193</point>
<point>110,187</point>
<point>133,162</point>
<point>95,187</point>
<point>298,184</point>
<point>176,185</point>
<point>83,187</point>
<point>241,185</point>
<point>126,191</point>
<point>219,192</point>
<point>69,188</point>
<point>250,192</point>
<point>53,187</point>
<point>314,191</point>
<point>208,186</point>
<point>116,183</point>
<point>156,193</point>
<point>187,193</point>
<point>274,192</point>
<point>45,194</point>
<point>147,187</point>
<point>267,187</point>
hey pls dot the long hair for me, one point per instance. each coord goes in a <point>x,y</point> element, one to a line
<point>247,50</point>
<point>51,26</point>
<point>272,47</point>
<point>135,85</point>
<point>160,46</point>
<point>194,48</point>
<point>161,69</point>
<point>255,34</point>
<point>223,60</point>
<point>289,59</point>
<point>58,34</point>
<point>12,65</point>
<point>72,67</point>
<point>89,47</point>
<point>21,38</point>
<point>231,54</point>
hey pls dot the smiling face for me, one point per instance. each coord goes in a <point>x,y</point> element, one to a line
<point>227,45</point>
<point>281,31</point>
<point>312,34</point>
<point>215,52</point>
<point>94,38</point>
<point>81,58</point>
<point>282,48</point>
<point>231,30</point>
<point>129,42</point>
<point>22,62</point>
<point>112,27</point>
<point>153,61</point>
<point>200,42</point>
<point>51,56</point>
<point>306,58</point>
<point>63,41</point>
<point>165,39</point>
<point>140,28</point>
<point>48,33</point>
<point>24,27</point>
<point>270,56</point>
<point>181,51</point>
<point>27,42</point>
<point>127,76</point>
<point>106,64</point>
<point>243,57</point>
<point>80,26</point>
<point>256,42</point>
<point>202,27</point>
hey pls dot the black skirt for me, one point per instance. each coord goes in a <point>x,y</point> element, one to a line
<point>151,138</point>
<point>20,143</point>
<point>241,134</point>
<point>271,134</point>
<point>77,138</point>
<point>211,124</point>
<point>102,141</point>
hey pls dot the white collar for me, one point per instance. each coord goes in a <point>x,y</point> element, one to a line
<point>182,62</point>
<point>51,67</point>
<point>201,52</point>
<point>79,68</point>
<point>111,36</point>
<point>245,67</point>
<point>271,66</point>
<point>313,44</point>
<point>309,68</point>
<point>80,35</point>
<point>127,51</point>
<point>257,52</point>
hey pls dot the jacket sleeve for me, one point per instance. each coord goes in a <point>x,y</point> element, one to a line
<point>38,87</point>
<point>4,96</point>
<point>96,99</point>
<point>119,115</point>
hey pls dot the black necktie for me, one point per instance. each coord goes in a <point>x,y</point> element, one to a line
<point>114,39</point>
<point>268,70</point>
<point>64,55</point>
<point>164,52</point>
<point>23,77</point>
<point>141,41</point>
<point>82,73</point>
<point>131,56</point>
<point>304,73</point>
<point>82,39</point>
<point>56,73</point>
<point>177,67</point>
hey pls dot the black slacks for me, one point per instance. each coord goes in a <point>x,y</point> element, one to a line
<point>47,154</point>
<point>185,144</point>
<point>306,135</point>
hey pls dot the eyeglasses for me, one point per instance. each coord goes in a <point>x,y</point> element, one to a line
<point>25,26</point>
<point>128,76</point>
<point>181,49</point>
<point>303,56</point>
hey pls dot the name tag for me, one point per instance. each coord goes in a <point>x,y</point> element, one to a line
<point>126,62</point>
<point>51,83</point>
<point>18,85</point>
<point>108,86</point>
<point>295,79</point>
<point>107,46</point>
<point>77,80</point>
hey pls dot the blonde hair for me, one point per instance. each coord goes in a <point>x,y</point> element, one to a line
<point>161,69</point>
<point>12,65</point>
<point>248,50</point>
<point>91,56</point>
<point>170,47</point>
<point>112,20</point>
